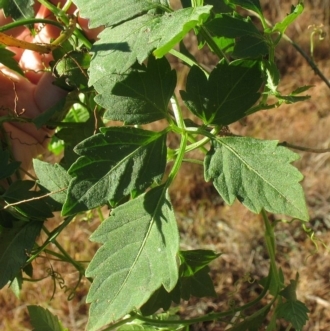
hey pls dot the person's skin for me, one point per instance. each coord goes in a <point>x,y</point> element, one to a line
<point>31,95</point>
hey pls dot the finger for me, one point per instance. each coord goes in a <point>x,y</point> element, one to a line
<point>24,146</point>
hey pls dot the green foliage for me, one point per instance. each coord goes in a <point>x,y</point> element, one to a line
<point>233,163</point>
<point>15,243</point>
<point>140,240</point>
<point>42,319</point>
<point>6,58</point>
<point>126,75</point>
<point>17,9</point>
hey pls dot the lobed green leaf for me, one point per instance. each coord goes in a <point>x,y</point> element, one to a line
<point>119,47</point>
<point>113,164</point>
<point>42,319</point>
<point>139,96</point>
<point>228,93</point>
<point>258,173</point>
<point>140,242</point>
<point>295,312</point>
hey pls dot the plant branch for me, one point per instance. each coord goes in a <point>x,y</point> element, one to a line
<point>305,149</point>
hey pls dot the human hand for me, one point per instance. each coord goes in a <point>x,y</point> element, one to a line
<point>31,95</point>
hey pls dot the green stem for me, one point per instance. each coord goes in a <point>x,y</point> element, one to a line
<point>204,141</point>
<point>183,143</point>
<point>208,38</point>
<point>52,236</point>
<point>205,318</point>
<point>270,243</point>
<point>118,324</point>
<point>185,59</point>
<point>30,21</point>
<point>62,15</point>
<point>66,256</point>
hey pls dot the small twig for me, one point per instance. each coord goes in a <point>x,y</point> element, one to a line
<point>35,198</point>
<point>310,61</point>
<point>305,149</point>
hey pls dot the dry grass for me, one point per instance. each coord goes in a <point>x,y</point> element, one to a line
<point>205,222</point>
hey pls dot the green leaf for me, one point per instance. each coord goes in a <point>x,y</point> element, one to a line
<point>140,242</point>
<point>115,12</point>
<point>139,96</point>
<point>53,178</point>
<point>72,69</point>
<point>118,48</point>
<point>258,173</point>
<point>16,285</point>
<point>15,245</point>
<point>7,168</point>
<point>194,260</point>
<point>113,164</point>
<point>253,5</point>
<point>289,19</point>
<point>289,292</point>
<point>17,9</point>
<point>232,27</point>
<point>43,320</point>
<point>228,93</point>
<point>250,47</point>
<point>6,58</point>
<point>249,42</point>
<point>159,299</point>
<point>35,207</point>
<point>295,312</point>
<point>199,285</point>
<point>72,135</point>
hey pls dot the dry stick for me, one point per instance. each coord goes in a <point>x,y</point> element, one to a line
<point>311,63</point>
<point>305,149</point>
<point>36,198</point>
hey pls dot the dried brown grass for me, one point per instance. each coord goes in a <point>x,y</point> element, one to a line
<point>205,222</point>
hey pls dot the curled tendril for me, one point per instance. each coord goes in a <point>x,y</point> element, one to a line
<point>315,240</point>
<point>57,277</point>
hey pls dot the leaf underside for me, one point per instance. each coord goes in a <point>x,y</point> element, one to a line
<point>258,173</point>
<point>112,165</point>
<point>140,242</point>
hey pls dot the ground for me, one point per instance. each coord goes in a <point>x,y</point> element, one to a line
<point>206,222</point>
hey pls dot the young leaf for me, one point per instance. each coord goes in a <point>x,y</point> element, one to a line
<point>42,319</point>
<point>17,9</point>
<point>138,96</point>
<point>140,242</point>
<point>7,168</point>
<point>258,173</point>
<point>194,260</point>
<point>199,285</point>
<point>159,299</point>
<point>295,312</point>
<point>15,244</point>
<point>228,93</point>
<point>120,47</point>
<point>295,12</point>
<point>113,164</point>
<point>289,292</point>
<point>33,207</point>
<point>6,58</point>
<point>16,285</point>
<point>53,178</point>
